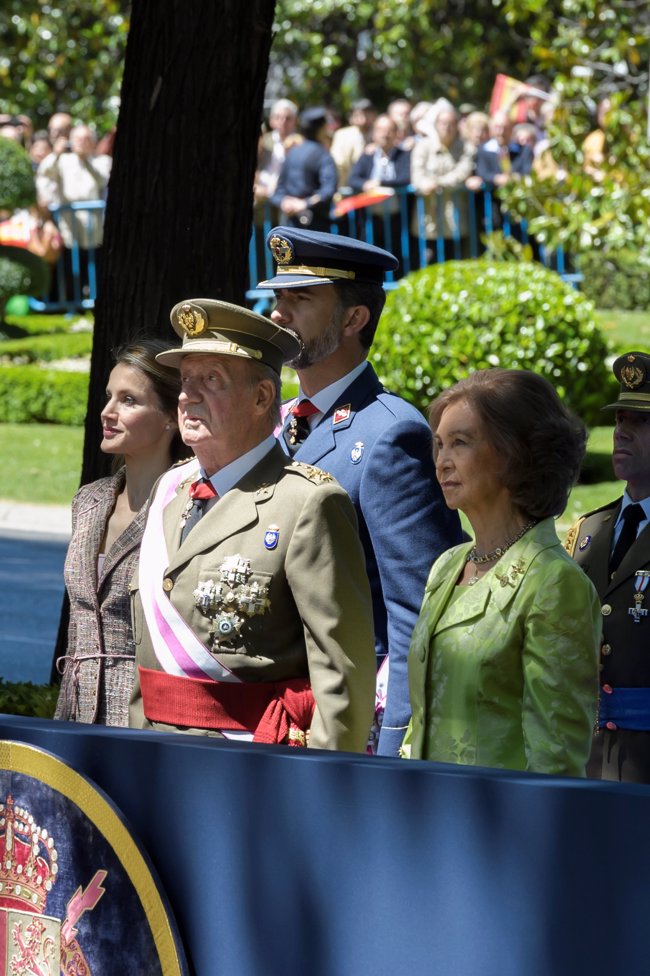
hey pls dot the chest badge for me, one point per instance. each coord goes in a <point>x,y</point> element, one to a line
<point>584,543</point>
<point>341,414</point>
<point>271,537</point>
<point>357,452</point>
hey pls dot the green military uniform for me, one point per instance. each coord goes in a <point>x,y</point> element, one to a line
<point>295,529</point>
<point>621,746</point>
<point>617,753</point>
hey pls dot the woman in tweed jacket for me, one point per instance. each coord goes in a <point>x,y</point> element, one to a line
<point>140,429</point>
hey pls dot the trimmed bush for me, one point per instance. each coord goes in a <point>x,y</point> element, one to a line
<point>30,395</point>
<point>17,187</point>
<point>47,348</point>
<point>616,279</point>
<point>24,698</point>
<point>20,326</point>
<point>446,321</point>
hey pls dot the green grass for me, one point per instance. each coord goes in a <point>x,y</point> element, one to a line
<point>47,457</point>
<point>627,330</point>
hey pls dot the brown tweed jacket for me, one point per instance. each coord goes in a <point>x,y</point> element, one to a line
<point>98,667</point>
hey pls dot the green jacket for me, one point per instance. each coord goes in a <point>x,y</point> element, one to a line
<point>506,674</point>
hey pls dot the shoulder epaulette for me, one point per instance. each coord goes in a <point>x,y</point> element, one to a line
<point>177,464</point>
<point>313,474</point>
<point>572,536</point>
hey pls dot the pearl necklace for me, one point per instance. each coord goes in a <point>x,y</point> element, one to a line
<point>490,557</point>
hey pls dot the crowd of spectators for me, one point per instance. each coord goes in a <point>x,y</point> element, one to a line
<point>435,147</point>
<point>70,167</point>
<point>309,160</point>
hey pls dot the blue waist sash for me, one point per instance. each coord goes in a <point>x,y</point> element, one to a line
<point>626,708</point>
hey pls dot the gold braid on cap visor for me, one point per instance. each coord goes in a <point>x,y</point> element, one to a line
<point>212,342</point>
<point>315,272</point>
<point>633,396</point>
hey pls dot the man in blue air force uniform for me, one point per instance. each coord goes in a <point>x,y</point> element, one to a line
<point>329,289</point>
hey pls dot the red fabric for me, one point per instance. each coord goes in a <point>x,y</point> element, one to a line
<point>266,708</point>
<point>304,409</point>
<point>202,489</point>
<point>293,706</point>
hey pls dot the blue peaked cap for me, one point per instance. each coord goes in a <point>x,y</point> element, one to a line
<point>309,257</point>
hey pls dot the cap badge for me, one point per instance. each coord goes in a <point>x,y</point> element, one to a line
<point>357,452</point>
<point>341,414</point>
<point>191,321</point>
<point>632,376</point>
<point>584,543</point>
<point>271,537</point>
<point>281,249</point>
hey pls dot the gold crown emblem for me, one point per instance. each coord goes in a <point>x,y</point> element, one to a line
<point>28,860</point>
<point>191,321</point>
<point>281,249</point>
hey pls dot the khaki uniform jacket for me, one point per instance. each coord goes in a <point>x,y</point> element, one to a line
<point>625,662</point>
<point>318,620</point>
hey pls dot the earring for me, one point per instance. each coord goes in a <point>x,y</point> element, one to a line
<point>168,426</point>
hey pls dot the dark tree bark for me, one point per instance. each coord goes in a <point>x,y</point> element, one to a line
<point>179,207</point>
<point>180,201</point>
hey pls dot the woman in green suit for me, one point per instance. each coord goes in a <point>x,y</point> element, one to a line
<point>504,657</point>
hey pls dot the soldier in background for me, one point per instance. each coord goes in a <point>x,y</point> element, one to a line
<point>612,544</point>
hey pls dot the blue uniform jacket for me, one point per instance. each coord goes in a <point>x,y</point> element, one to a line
<point>381,454</point>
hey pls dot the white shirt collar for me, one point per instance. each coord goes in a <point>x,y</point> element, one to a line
<point>327,397</point>
<point>228,476</point>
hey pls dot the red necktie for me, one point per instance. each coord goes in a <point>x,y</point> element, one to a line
<point>201,492</point>
<point>303,409</point>
<point>203,489</point>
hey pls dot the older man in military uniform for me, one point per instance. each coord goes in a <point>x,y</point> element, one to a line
<point>252,610</point>
<point>329,289</point>
<point>612,545</point>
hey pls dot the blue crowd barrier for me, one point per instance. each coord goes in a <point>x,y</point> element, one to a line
<point>74,277</point>
<point>290,861</point>
<point>389,223</point>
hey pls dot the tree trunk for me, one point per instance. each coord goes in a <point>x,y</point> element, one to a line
<point>180,201</point>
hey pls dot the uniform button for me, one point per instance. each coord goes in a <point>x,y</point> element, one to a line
<point>612,726</point>
<point>168,584</point>
<point>605,609</point>
<point>606,650</point>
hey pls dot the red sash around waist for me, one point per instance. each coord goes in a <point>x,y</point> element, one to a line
<point>272,710</point>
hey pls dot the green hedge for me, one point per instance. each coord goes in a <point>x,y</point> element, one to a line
<point>20,326</point>
<point>47,348</point>
<point>29,394</point>
<point>618,279</point>
<point>24,698</point>
<point>448,320</point>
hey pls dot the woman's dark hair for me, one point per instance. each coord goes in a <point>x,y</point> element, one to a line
<point>166,382</point>
<point>540,442</point>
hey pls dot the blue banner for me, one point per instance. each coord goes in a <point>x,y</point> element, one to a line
<point>325,864</point>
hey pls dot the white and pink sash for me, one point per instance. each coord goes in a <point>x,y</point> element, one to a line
<point>177,648</point>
